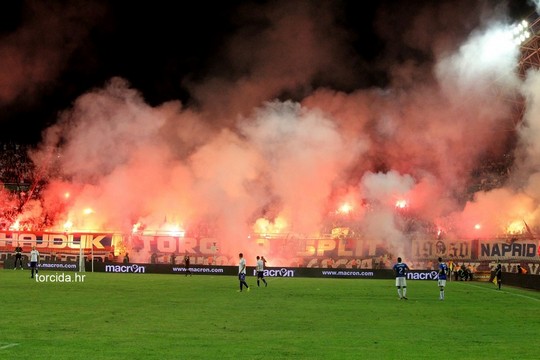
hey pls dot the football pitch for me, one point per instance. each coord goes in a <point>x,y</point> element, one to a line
<point>148,316</point>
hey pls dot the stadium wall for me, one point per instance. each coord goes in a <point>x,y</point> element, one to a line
<point>338,257</point>
<point>268,272</point>
<point>521,280</point>
<point>131,268</point>
<point>233,270</point>
<point>9,263</point>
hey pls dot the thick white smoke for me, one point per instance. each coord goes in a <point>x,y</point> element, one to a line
<point>243,156</point>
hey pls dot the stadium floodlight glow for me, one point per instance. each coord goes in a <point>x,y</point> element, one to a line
<point>521,32</point>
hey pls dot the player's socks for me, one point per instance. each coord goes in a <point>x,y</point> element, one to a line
<point>399,293</point>
<point>258,283</point>
<point>265,283</point>
<point>244,284</point>
<point>405,293</point>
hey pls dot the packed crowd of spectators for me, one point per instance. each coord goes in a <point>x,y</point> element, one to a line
<point>21,183</point>
<point>16,168</point>
<point>491,173</point>
<point>17,178</point>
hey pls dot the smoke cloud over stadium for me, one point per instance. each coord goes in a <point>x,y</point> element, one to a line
<point>265,149</point>
<point>32,56</point>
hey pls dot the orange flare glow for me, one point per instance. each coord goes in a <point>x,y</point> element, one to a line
<point>136,227</point>
<point>15,226</point>
<point>265,226</point>
<point>401,204</point>
<point>345,208</point>
<point>516,227</point>
<point>68,225</point>
<point>175,230</point>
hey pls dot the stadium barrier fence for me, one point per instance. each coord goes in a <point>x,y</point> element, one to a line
<point>520,280</point>
<point>526,281</point>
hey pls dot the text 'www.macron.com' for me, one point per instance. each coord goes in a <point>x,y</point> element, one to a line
<point>348,273</point>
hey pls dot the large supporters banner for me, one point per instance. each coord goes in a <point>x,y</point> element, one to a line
<point>286,247</point>
<point>322,252</point>
<point>526,250</point>
<point>57,242</point>
<point>483,249</point>
<point>448,249</point>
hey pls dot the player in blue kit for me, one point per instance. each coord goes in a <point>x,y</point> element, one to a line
<point>443,271</point>
<point>400,269</point>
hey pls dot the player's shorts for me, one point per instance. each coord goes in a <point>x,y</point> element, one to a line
<point>260,274</point>
<point>441,282</point>
<point>401,281</point>
<point>242,277</point>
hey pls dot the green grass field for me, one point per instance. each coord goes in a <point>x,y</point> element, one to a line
<point>147,316</point>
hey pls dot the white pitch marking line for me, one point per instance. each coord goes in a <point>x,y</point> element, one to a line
<point>506,292</point>
<point>8,346</point>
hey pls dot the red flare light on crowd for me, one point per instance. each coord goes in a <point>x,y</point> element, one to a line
<point>88,211</point>
<point>477,227</point>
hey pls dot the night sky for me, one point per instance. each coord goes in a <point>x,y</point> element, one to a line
<point>52,52</point>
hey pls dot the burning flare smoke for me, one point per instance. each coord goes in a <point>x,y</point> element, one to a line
<point>248,159</point>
